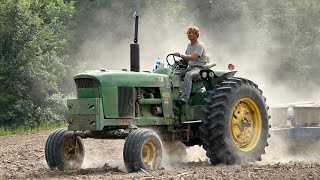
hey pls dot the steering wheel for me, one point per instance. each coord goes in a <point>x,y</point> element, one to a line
<point>181,63</point>
<point>167,59</point>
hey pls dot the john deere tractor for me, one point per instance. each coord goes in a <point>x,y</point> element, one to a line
<point>226,115</point>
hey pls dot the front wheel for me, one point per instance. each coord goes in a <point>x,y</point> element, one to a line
<point>235,124</point>
<point>142,150</point>
<point>64,150</point>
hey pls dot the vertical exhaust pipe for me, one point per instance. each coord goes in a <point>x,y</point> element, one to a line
<point>134,48</point>
<point>135,60</point>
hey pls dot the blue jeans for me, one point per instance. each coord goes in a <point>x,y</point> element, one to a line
<point>191,73</point>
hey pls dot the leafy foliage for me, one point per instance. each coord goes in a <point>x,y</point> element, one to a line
<point>32,57</point>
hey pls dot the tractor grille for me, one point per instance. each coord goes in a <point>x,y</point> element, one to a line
<point>86,83</point>
<point>81,122</point>
<point>126,101</point>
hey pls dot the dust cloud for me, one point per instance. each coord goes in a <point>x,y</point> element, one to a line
<point>285,150</point>
<point>173,159</point>
<point>256,55</point>
<point>195,154</point>
<point>254,52</point>
<point>100,153</point>
<point>107,45</point>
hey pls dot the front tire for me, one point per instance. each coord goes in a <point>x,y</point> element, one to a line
<point>142,150</point>
<point>49,151</point>
<point>235,124</point>
<point>64,150</point>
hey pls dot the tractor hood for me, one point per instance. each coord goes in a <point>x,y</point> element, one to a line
<point>111,78</point>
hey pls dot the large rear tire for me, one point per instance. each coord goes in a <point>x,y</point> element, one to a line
<point>142,150</point>
<point>235,124</point>
<point>64,150</point>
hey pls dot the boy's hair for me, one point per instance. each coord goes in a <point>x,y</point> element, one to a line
<point>194,30</point>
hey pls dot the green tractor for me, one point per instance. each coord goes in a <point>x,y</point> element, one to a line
<point>226,115</point>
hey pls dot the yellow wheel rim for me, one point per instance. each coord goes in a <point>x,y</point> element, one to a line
<point>149,153</point>
<point>71,150</point>
<point>246,124</point>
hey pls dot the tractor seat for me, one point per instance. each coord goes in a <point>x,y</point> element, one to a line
<point>209,65</point>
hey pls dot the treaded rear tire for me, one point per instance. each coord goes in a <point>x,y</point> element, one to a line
<point>215,131</point>
<point>134,146</point>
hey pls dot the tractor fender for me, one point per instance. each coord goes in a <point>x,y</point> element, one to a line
<point>219,76</point>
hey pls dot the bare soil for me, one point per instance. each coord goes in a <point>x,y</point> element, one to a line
<point>22,157</point>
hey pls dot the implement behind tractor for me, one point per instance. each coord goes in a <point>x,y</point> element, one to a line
<point>225,115</point>
<point>298,124</point>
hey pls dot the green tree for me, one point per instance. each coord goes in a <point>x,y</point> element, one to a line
<point>33,35</point>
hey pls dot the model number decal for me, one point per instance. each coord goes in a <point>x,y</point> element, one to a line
<point>166,97</point>
<point>160,79</point>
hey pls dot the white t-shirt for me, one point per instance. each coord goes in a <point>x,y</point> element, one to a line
<point>198,48</point>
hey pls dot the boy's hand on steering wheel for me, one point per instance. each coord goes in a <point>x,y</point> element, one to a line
<point>177,54</point>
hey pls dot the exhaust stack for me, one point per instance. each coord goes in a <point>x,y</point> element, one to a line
<point>134,48</point>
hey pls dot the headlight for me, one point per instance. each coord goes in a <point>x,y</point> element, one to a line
<point>204,74</point>
<point>211,74</point>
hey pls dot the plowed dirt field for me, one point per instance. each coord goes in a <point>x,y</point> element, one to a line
<point>22,157</point>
